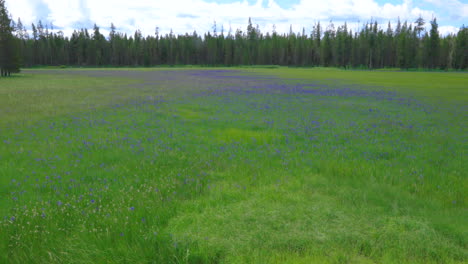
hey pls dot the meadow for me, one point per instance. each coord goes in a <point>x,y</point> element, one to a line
<point>226,165</point>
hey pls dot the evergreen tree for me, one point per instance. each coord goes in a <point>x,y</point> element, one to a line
<point>419,26</point>
<point>326,45</point>
<point>434,45</point>
<point>99,46</point>
<point>316,36</point>
<point>9,53</point>
<point>401,39</point>
<point>371,47</point>
<point>461,49</point>
<point>389,47</point>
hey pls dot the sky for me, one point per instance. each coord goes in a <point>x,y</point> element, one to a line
<point>186,16</point>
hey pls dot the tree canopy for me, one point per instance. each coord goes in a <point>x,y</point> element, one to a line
<point>373,46</point>
<point>9,53</point>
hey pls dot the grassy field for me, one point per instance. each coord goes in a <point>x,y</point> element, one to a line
<point>233,166</point>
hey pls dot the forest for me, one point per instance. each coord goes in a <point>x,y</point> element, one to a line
<point>406,46</point>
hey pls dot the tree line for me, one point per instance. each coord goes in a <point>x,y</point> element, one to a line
<point>408,45</point>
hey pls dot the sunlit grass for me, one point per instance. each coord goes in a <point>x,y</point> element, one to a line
<point>252,166</point>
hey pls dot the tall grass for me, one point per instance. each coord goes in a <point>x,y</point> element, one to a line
<point>248,166</point>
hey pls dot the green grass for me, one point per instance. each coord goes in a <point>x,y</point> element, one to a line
<point>449,86</point>
<point>168,166</point>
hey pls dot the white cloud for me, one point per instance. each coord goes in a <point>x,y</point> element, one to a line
<point>454,8</point>
<point>21,8</point>
<point>446,30</point>
<point>188,15</point>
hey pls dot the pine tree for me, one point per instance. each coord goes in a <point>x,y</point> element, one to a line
<point>419,26</point>
<point>9,54</point>
<point>98,47</point>
<point>401,39</point>
<point>434,44</point>
<point>461,49</point>
<point>406,46</point>
<point>389,47</point>
<point>316,36</point>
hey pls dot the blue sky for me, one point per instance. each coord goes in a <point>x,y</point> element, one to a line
<point>188,15</point>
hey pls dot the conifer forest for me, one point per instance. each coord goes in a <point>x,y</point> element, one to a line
<point>406,45</point>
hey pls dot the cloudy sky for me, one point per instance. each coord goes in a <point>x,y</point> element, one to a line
<point>188,15</point>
